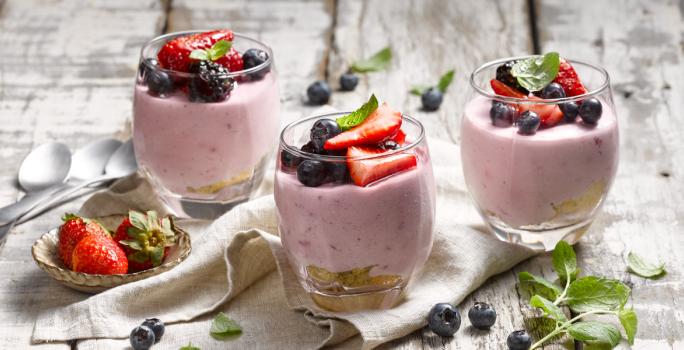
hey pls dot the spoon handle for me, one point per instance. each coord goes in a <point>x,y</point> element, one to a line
<point>11,212</point>
<point>57,197</point>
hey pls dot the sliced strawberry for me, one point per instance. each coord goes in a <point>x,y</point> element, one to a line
<point>549,115</point>
<point>399,137</point>
<point>567,77</point>
<point>382,123</point>
<point>502,89</point>
<point>232,60</point>
<point>367,171</point>
<point>175,54</point>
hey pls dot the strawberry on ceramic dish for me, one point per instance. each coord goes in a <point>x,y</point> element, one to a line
<point>73,230</point>
<point>96,254</point>
<point>145,238</point>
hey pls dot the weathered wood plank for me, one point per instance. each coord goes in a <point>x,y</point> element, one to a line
<point>66,74</point>
<point>639,43</point>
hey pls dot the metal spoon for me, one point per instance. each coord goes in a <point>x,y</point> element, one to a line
<point>122,163</point>
<point>40,174</point>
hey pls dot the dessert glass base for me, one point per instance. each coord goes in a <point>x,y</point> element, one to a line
<point>537,237</point>
<point>383,299</point>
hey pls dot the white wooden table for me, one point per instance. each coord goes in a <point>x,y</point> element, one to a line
<point>67,69</point>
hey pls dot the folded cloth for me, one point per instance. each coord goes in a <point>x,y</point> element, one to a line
<point>238,266</point>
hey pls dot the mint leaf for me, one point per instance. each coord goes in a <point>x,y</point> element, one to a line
<point>595,332</point>
<point>538,285</point>
<point>564,261</point>
<point>189,347</point>
<point>536,72</point>
<point>223,326</point>
<point>445,81</point>
<point>548,307</point>
<point>219,49</point>
<point>593,293</point>
<point>628,320</point>
<point>419,90</point>
<point>200,55</point>
<point>358,116</point>
<point>379,61</point>
<point>644,269</point>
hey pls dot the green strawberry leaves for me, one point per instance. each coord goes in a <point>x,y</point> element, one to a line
<point>358,116</point>
<point>216,51</point>
<point>639,267</point>
<point>535,73</point>
<point>379,61</point>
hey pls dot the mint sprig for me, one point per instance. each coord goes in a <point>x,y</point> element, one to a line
<point>585,296</point>
<point>443,84</point>
<point>536,72</point>
<point>216,51</point>
<point>379,61</point>
<point>223,326</point>
<point>639,267</point>
<point>358,116</point>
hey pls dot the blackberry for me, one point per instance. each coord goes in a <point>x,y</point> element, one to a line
<point>211,83</point>
<point>503,74</point>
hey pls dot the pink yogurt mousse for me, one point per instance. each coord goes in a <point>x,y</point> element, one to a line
<point>189,144</point>
<point>518,178</point>
<point>341,227</point>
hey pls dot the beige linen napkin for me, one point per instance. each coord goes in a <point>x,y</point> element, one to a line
<point>238,266</point>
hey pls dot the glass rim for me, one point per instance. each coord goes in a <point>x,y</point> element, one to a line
<point>165,37</point>
<point>296,151</point>
<point>603,86</point>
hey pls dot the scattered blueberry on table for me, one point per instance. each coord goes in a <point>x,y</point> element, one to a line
<point>348,81</point>
<point>431,99</point>
<point>444,319</point>
<point>519,340</point>
<point>142,338</point>
<point>482,316</point>
<point>318,93</point>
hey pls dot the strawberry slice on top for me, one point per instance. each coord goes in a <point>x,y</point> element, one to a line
<point>175,54</point>
<point>364,172</point>
<point>381,124</point>
<point>549,114</point>
<point>567,77</point>
<point>502,89</point>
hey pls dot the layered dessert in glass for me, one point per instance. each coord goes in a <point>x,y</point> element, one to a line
<point>206,116</point>
<point>355,198</point>
<point>539,147</point>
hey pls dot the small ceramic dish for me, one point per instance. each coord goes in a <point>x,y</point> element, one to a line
<point>44,252</point>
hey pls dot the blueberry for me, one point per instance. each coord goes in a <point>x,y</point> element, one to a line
<point>528,123</point>
<point>482,316</point>
<point>519,340</point>
<point>570,111</point>
<point>253,58</point>
<point>444,319</point>
<point>502,114</point>
<point>142,338</point>
<point>289,160</point>
<point>321,131</point>
<point>157,327</point>
<point>389,145</point>
<point>348,81</point>
<point>338,172</point>
<point>590,110</point>
<point>145,66</point>
<point>553,90</point>
<point>311,173</point>
<point>318,93</point>
<point>158,83</point>
<point>431,99</point>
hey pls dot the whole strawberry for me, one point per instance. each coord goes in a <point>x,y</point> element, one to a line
<point>232,60</point>
<point>96,254</point>
<point>175,54</point>
<point>145,239</point>
<point>73,230</point>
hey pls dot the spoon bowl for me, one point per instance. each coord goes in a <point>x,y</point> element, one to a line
<point>122,162</point>
<point>46,166</point>
<point>89,161</point>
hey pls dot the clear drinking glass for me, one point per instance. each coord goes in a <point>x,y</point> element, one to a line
<point>356,247</point>
<point>536,190</point>
<point>204,157</point>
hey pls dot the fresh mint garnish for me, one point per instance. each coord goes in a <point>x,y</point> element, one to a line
<point>216,51</point>
<point>223,326</point>
<point>536,72</point>
<point>358,116</point>
<point>585,296</point>
<point>379,61</point>
<point>639,267</point>
<point>443,84</point>
<point>189,347</point>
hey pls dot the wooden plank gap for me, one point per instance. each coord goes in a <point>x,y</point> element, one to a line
<point>534,32</point>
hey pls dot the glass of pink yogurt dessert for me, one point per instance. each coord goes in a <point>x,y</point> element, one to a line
<point>539,147</point>
<point>205,118</point>
<point>356,204</point>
